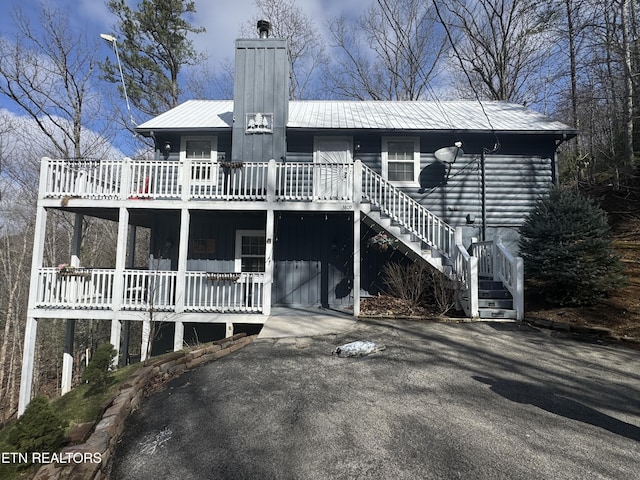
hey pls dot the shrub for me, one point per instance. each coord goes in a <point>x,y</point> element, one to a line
<point>567,251</point>
<point>39,429</point>
<point>98,372</point>
<point>418,284</point>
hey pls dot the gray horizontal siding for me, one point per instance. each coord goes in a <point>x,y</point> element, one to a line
<point>513,185</point>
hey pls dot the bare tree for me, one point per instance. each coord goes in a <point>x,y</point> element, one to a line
<point>391,53</point>
<point>501,46</point>
<point>48,73</point>
<point>306,48</point>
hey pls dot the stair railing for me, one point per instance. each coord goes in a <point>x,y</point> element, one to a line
<point>466,277</point>
<point>495,261</point>
<point>408,213</point>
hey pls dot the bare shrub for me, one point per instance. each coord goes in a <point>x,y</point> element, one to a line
<point>443,291</point>
<point>418,284</point>
<point>408,283</point>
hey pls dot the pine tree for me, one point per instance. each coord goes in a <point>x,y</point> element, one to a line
<point>567,251</point>
<point>154,48</point>
<point>40,429</point>
<point>98,372</point>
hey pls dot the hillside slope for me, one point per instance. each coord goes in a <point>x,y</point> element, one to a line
<point>621,311</point>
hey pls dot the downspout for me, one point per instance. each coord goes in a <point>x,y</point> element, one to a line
<point>483,197</point>
<point>483,180</point>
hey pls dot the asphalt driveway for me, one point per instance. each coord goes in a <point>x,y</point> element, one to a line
<point>443,401</point>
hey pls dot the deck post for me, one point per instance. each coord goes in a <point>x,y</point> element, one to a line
<point>114,339</point>
<point>268,264</point>
<point>146,338</point>
<point>26,380</point>
<point>67,357</point>
<point>178,336</point>
<point>118,285</point>
<point>183,251</point>
<point>356,260</point>
<point>357,199</point>
<point>271,180</point>
<point>28,352</point>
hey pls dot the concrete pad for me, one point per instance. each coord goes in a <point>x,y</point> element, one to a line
<point>291,322</point>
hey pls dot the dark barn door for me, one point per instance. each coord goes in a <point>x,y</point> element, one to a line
<point>313,257</point>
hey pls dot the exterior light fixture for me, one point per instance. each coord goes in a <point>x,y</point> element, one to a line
<point>167,146</point>
<point>114,43</point>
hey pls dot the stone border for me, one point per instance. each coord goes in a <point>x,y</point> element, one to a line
<point>601,332</point>
<point>109,428</point>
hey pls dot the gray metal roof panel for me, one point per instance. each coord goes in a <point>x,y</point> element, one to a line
<point>367,115</point>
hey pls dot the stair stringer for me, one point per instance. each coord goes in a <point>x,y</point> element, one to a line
<point>408,243</point>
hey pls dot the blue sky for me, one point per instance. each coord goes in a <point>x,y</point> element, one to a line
<point>223,20</point>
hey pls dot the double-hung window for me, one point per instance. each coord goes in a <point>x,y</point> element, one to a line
<point>250,250</point>
<point>202,152</point>
<point>401,160</point>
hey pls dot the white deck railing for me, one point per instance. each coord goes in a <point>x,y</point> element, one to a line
<point>145,290</point>
<point>224,292</point>
<point>408,213</point>
<point>198,180</point>
<point>83,288</point>
<point>497,263</point>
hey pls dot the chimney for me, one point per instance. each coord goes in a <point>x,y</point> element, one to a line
<point>260,98</point>
<point>264,27</point>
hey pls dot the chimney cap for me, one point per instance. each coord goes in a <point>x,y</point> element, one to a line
<point>264,27</point>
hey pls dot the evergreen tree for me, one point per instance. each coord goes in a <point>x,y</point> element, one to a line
<point>567,250</point>
<point>153,47</point>
<point>40,429</point>
<point>97,374</point>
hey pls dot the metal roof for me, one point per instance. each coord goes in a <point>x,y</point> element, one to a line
<point>368,115</point>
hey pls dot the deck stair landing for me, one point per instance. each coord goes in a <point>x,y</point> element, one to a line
<point>494,300</point>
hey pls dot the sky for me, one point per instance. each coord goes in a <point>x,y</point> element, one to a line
<point>222,19</point>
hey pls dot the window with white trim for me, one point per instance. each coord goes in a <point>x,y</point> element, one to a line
<point>202,150</point>
<point>250,250</point>
<point>401,160</point>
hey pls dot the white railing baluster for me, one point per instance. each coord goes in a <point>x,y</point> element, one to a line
<point>396,204</point>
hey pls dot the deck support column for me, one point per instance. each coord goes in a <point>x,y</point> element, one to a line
<point>181,280</point>
<point>146,334</point>
<point>268,262</point>
<point>28,354</point>
<point>114,339</point>
<point>66,382</point>
<point>357,199</point>
<point>31,327</point>
<point>229,330</point>
<point>178,336</point>
<point>356,261</point>
<point>119,280</point>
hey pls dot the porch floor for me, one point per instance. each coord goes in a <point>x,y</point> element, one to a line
<point>305,322</point>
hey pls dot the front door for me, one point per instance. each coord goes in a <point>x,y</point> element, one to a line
<point>333,172</point>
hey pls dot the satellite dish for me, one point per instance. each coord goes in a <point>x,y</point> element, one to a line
<point>448,154</point>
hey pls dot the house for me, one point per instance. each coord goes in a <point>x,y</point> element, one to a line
<point>262,202</point>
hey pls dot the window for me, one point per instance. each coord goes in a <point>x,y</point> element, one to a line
<point>401,160</point>
<point>202,152</point>
<point>250,250</point>
<point>198,147</point>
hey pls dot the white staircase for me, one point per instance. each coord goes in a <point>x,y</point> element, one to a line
<point>489,278</point>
